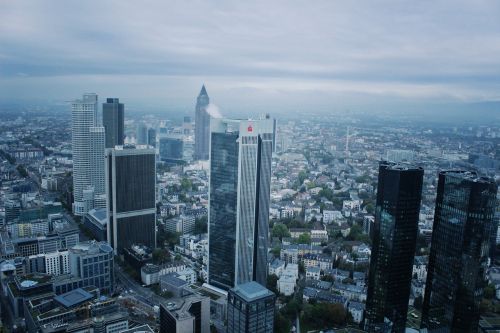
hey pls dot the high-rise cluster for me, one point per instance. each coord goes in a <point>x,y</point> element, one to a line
<point>463,222</point>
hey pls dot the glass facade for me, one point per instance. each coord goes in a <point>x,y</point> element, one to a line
<point>463,221</point>
<point>395,231</point>
<point>171,149</point>
<point>223,200</point>
<point>113,120</point>
<point>239,202</point>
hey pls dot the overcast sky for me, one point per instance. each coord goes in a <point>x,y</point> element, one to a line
<point>252,52</point>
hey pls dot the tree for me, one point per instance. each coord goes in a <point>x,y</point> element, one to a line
<point>302,176</point>
<point>304,238</point>
<point>489,291</point>
<point>160,256</point>
<point>280,230</point>
<point>186,184</point>
<point>281,323</point>
<point>272,283</point>
<point>276,251</point>
<point>201,225</point>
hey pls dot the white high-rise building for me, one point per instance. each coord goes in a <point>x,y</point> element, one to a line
<point>97,144</point>
<point>88,156</point>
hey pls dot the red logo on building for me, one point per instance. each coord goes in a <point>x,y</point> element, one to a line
<point>249,128</point>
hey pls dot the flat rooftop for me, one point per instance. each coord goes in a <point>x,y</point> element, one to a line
<point>251,291</point>
<point>73,297</point>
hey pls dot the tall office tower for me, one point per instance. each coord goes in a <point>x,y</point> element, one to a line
<point>113,120</point>
<point>93,263</point>
<point>171,149</point>
<point>240,172</point>
<point>141,134</point>
<point>130,192</point>
<point>152,137</point>
<point>394,240</point>
<point>97,142</point>
<point>250,308</point>
<point>189,314</point>
<point>202,126</point>
<point>465,208</point>
<point>268,116</point>
<point>83,116</point>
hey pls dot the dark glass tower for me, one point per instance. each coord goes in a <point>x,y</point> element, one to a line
<point>240,173</point>
<point>395,231</point>
<point>463,219</point>
<point>131,197</point>
<point>113,120</point>
<point>202,126</point>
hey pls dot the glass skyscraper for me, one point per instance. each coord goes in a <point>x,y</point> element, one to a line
<point>463,219</point>
<point>131,199</point>
<point>240,173</point>
<point>202,126</point>
<point>113,120</point>
<point>395,231</point>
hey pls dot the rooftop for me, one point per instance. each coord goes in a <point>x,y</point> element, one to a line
<point>73,297</point>
<point>251,291</point>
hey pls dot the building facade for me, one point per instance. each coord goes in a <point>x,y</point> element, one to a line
<point>83,117</point>
<point>131,201</point>
<point>189,314</point>
<point>113,120</point>
<point>240,172</point>
<point>394,239</point>
<point>250,309</point>
<point>463,219</point>
<point>202,126</point>
<point>93,263</point>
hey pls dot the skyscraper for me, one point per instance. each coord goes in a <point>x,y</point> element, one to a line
<point>202,126</point>
<point>97,142</point>
<point>240,172</point>
<point>394,239</point>
<point>131,201</point>
<point>152,137</point>
<point>141,134</point>
<point>189,314</point>
<point>465,209</point>
<point>113,120</point>
<point>83,117</point>
<point>250,308</point>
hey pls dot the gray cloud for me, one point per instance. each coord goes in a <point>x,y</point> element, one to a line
<point>406,49</point>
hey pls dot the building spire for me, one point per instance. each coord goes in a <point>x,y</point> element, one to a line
<point>203,91</point>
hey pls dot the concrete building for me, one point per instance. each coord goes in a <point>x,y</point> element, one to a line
<point>188,314</point>
<point>93,263</point>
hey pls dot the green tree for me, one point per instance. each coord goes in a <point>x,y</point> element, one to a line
<point>276,251</point>
<point>489,291</point>
<point>186,184</point>
<point>272,283</point>
<point>160,256</point>
<point>281,323</point>
<point>304,238</point>
<point>201,225</point>
<point>280,230</point>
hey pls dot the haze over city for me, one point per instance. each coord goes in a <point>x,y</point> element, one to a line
<point>255,56</point>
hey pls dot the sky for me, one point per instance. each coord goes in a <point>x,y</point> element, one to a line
<point>252,55</point>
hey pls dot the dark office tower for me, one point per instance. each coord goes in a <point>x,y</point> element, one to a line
<point>268,116</point>
<point>250,309</point>
<point>141,134</point>
<point>188,314</point>
<point>152,137</point>
<point>131,205</point>
<point>465,208</point>
<point>240,172</point>
<point>202,126</point>
<point>113,120</point>
<point>394,239</point>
